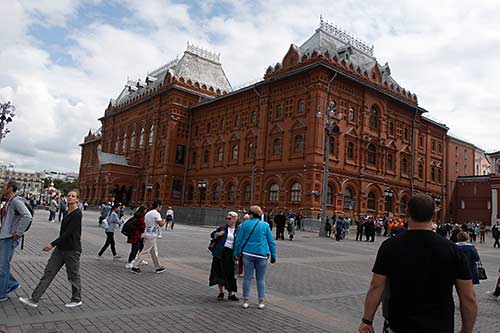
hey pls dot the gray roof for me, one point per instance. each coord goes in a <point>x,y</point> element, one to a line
<point>196,64</point>
<point>108,158</point>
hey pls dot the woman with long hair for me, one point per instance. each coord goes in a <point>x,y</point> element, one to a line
<point>135,238</point>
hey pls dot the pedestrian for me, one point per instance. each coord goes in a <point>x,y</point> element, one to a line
<point>152,220</point>
<point>328,227</point>
<point>53,209</point>
<point>299,221</point>
<point>15,218</point>
<point>170,218</point>
<point>113,222</point>
<point>290,228</point>
<point>359,229</point>
<point>280,221</point>
<point>339,229</point>
<point>85,205</point>
<point>255,243</point>
<point>370,230</point>
<point>482,233</point>
<point>454,233</point>
<point>421,268</point>
<point>495,232</point>
<point>347,226</point>
<point>135,238</point>
<point>63,206</point>
<point>470,252</point>
<point>105,211</point>
<point>223,261</point>
<point>496,293</point>
<point>67,251</point>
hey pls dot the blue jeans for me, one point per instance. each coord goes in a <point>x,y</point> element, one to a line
<point>7,281</point>
<point>259,265</point>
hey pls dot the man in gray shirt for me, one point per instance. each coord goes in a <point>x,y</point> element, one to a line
<point>15,219</point>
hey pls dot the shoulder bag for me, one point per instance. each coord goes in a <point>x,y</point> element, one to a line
<point>481,272</point>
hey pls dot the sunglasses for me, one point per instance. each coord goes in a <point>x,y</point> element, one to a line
<point>228,218</point>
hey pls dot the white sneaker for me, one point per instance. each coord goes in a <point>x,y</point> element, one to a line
<point>245,305</point>
<point>160,236</point>
<point>98,258</point>
<point>261,306</point>
<point>144,262</point>
<point>28,302</point>
<point>73,304</point>
<point>129,265</point>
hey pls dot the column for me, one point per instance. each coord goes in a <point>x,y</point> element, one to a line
<point>494,206</point>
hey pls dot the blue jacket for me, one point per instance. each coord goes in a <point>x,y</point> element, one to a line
<point>261,241</point>
<point>472,258</point>
<point>219,247</point>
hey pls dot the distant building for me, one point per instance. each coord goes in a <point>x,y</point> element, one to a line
<point>481,163</point>
<point>64,176</point>
<point>30,183</point>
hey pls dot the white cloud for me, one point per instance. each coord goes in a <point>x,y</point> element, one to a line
<point>446,52</point>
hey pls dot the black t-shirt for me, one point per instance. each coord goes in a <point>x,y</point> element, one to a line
<point>421,267</point>
<point>71,232</point>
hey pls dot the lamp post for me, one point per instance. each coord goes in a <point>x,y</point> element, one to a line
<point>7,112</point>
<point>202,186</point>
<point>331,127</point>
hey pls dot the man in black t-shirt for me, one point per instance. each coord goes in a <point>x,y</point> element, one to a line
<point>420,268</point>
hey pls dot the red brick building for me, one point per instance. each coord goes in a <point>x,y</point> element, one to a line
<point>184,136</point>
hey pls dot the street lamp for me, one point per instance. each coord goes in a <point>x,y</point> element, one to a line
<point>331,127</point>
<point>388,200</point>
<point>7,112</point>
<point>202,186</point>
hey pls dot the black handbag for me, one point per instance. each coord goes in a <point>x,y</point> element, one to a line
<point>481,272</point>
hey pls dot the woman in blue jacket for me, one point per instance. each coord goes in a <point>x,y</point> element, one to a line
<point>255,243</point>
<point>471,254</point>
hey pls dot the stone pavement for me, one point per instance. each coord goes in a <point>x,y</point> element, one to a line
<point>317,285</point>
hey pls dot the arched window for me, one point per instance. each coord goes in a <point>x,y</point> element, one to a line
<point>300,108</point>
<point>373,118</point>
<point>420,170</point>
<point>151,135</point>
<point>124,143</point>
<point>350,151</point>
<point>251,151</point>
<point>329,195</point>
<point>141,138</point>
<point>388,204</point>
<point>352,114</point>
<point>216,193</point>
<point>273,193</point>
<point>220,154</point>
<point>298,144</point>
<point>405,134</point>
<point>295,192</point>
<point>276,147</point>
<point>372,154</point>
<point>254,117</point>
<point>206,156</point>
<point>371,202</point>
<point>247,193</point>
<point>132,140</point>
<point>404,166</point>
<point>433,174</point>
<point>231,193</point>
<point>402,206</point>
<point>237,120</point>
<point>390,162</point>
<point>234,153</point>
<point>348,198</point>
<point>332,146</point>
<point>279,111</point>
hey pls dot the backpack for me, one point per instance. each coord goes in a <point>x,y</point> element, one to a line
<point>129,226</point>
<point>105,224</point>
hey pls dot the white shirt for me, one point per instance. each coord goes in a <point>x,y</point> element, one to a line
<point>230,238</point>
<point>171,213</point>
<point>151,219</point>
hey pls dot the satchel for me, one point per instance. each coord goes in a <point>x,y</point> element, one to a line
<point>212,244</point>
<point>481,272</point>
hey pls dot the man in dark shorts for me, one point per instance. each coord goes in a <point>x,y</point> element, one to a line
<point>420,268</point>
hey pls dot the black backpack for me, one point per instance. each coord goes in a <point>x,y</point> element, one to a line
<point>129,226</point>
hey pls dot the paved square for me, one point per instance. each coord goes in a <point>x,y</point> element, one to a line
<point>317,285</point>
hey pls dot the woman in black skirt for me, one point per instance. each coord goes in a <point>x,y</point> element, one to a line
<point>222,270</point>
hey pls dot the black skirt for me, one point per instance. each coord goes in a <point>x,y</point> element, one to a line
<point>222,271</point>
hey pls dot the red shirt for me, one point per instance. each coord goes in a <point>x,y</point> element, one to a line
<point>138,231</point>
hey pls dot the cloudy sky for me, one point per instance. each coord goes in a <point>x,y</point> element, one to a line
<point>62,60</point>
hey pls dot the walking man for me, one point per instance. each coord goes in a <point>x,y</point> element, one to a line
<point>68,249</point>
<point>420,269</point>
<point>495,232</point>
<point>359,229</point>
<point>15,219</point>
<point>53,209</point>
<point>63,206</point>
<point>152,220</point>
<point>280,221</point>
<point>170,218</point>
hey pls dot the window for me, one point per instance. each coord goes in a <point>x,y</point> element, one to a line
<point>372,154</point>
<point>176,188</point>
<point>161,156</point>
<point>465,169</point>
<point>371,202</point>
<point>352,115</point>
<point>300,108</point>
<point>457,168</point>
<point>465,154</point>
<point>348,198</point>
<point>390,162</point>
<point>237,120</point>
<point>251,151</point>
<point>421,141</point>
<point>132,140</point>
<point>247,193</point>
<point>206,156</point>
<point>388,204</point>
<point>220,154</point>
<point>254,117</point>
<point>295,192</point>
<point>124,143</point>
<point>350,150</point>
<point>298,143</point>
<point>222,124</point>
<point>420,170</point>
<point>276,147</point>
<point>329,195</point>
<point>439,174</point>
<point>216,193</point>
<point>234,152</point>
<point>456,151</point>
<point>433,145</point>
<point>332,146</point>
<point>373,118</point>
<point>151,134</point>
<point>180,152</point>
<point>279,111</point>
<point>402,206</point>
<point>117,144</point>
<point>273,193</point>
<point>404,166</point>
<point>433,174</point>
<point>391,128</point>
<point>141,138</point>
<point>405,134</point>
<point>231,193</point>
<point>193,157</point>
<point>440,148</point>
<point>209,127</point>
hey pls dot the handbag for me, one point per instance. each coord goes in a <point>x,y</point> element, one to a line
<point>481,272</point>
<point>212,244</point>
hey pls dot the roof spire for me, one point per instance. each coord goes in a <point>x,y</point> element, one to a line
<point>196,50</point>
<point>344,36</point>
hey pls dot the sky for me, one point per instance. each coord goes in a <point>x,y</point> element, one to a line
<point>61,61</point>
